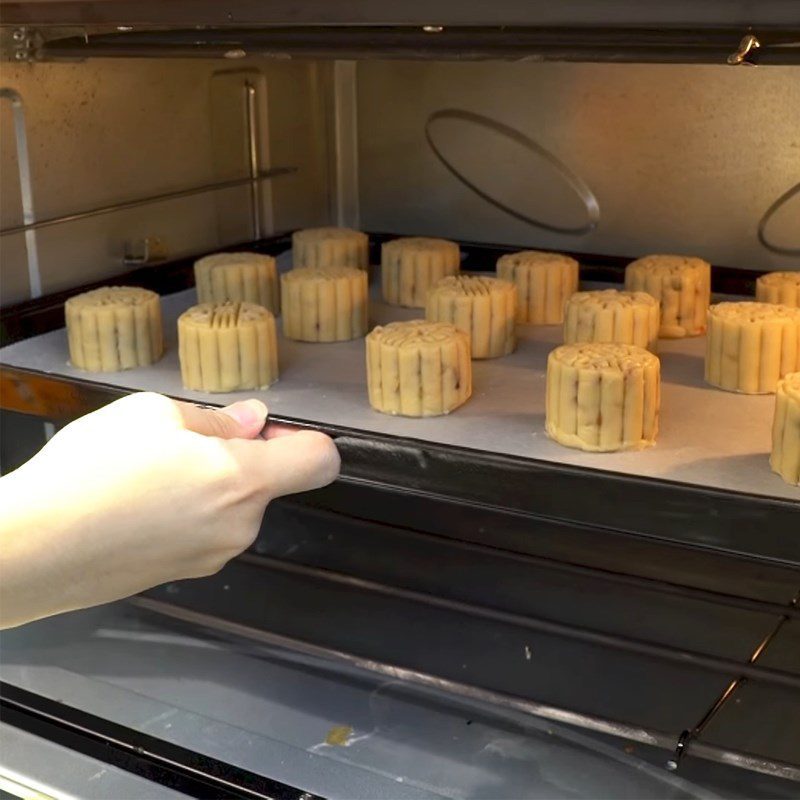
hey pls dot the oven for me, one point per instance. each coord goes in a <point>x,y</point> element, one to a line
<point>470,610</point>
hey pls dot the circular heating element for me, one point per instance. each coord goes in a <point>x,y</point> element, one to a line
<point>238,278</point>
<point>227,347</point>
<point>481,306</point>
<point>750,346</point>
<point>114,328</point>
<point>418,368</point>
<point>602,397</point>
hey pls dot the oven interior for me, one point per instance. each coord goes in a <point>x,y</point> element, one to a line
<point>633,625</point>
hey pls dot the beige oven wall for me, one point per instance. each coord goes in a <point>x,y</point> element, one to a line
<point>680,158</point>
<point>107,131</point>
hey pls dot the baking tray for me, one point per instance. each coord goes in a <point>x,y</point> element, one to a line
<point>708,438</point>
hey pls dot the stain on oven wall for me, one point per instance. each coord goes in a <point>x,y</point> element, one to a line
<point>108,131</point>
<point>678,158</point>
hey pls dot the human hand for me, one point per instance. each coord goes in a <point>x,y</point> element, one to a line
<point>143,491</point>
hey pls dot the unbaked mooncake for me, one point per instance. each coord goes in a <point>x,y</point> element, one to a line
<point>545,281</point>
<point>114,328</point>
<point>682,285</point>
<point>481,306</point>
<point>751,346</point>
<point>785,456</point>
<point>609,315</point>
<point>602,397</point>
<point>330,247</point>
<point>779,287</point>
<point>418,368</point>
<point>324,304</point>
<point>238,278</point>
<point>410,266</point>
<point>227,347</point>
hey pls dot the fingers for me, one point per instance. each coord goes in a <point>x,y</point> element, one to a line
<point>242,420</point>
<point>275,429</point>
<point>148,411</point>
<point>296,462</point>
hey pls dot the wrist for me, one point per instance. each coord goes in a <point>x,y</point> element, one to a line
<point>30,551</point>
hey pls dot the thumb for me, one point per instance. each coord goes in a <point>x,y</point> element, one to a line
<point>297,462</point>
<point>241,420</point>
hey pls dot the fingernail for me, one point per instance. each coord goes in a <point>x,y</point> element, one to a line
<point>248,413</point>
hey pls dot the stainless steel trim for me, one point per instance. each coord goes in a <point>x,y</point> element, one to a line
<point>235,13</point>
<point>345,122</point>
<point>142,751</point>
<point>251,120</point>
<point>468,692</point>
<point>25,188</point>
<point>143,201</point>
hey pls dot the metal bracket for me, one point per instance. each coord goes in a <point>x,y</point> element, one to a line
<point>23,44</point>
<point>145,252</point>
<point>748,44</point>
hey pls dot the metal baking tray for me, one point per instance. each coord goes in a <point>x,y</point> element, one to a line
<point>708,438</point>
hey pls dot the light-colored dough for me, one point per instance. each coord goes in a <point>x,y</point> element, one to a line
<point>324,304</point>
<point>682,284</point>
<point>330,247</point>
<point>114,328</point>
<point>609,315</point>
<point>238,278</point>
<point>227,347</point>
<point>481,306</point>
<point>602,397</point>
<point>418,368</point>
<point>545,281</point>
<point>785,456</point>
<point>410,266</point>
<point>751,346</point>
<point>779,287</point>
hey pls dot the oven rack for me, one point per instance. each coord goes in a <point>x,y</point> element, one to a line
<point>637,577</point>
<point>402,604</point>
<point>458,458</point>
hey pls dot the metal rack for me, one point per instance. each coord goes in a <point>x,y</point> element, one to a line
<point>253,180</point>
<point>283,581</point>
<point>476,511</point>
